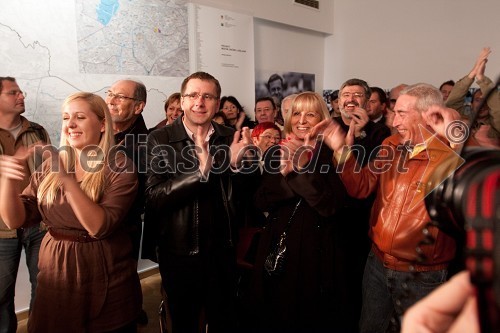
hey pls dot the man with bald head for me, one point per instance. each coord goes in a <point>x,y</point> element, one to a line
<point>403,266</point>
<point>286,104</point>
<point>126,100</point>
<point>393,96</point>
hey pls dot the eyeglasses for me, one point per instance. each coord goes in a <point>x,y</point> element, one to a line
<point>195,96</point>
<point>121,98</point>
<point>270,137</point>
<point>15,93</point>
<point>355,95</point>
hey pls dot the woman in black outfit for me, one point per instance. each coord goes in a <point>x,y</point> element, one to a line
<point>307,296</point>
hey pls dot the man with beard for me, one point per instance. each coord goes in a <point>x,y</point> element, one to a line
<point>368,135</point>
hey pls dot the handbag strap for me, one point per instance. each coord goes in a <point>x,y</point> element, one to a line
<point>287,227</point>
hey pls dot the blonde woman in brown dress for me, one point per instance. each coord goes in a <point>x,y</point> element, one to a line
<point>87,280</point>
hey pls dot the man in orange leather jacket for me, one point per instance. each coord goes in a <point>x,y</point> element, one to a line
<point>400,269</point>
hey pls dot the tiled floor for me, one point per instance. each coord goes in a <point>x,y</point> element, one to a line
<point>152,298</point>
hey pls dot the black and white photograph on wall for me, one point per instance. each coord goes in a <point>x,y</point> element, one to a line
<point>281,84</point>
<point>327,93</point>
<point>331,98</point>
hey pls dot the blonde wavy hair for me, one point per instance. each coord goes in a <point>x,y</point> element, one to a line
<point>309,101</point>
<point>93,182</point>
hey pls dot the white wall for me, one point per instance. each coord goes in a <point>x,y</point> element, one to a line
<point>288,37</point>
<point>280,47</point>
<point>282,11</point>
<point>387,42</point>
<point>384,42</point>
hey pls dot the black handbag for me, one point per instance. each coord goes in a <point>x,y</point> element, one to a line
<point>275,260</point>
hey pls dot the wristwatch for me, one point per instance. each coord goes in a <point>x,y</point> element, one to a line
<point>362,135</point>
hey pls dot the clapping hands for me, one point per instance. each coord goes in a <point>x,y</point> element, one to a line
<point>241,142</point>
<point>332,134</point>
<point>480,65</point>
<point>296,153</point>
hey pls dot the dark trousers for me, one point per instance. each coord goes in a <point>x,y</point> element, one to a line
<point>387,294</point>
<point>10,255</point>
<point>200,290</point>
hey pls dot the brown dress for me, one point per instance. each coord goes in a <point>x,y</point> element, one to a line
<point>85,286</point>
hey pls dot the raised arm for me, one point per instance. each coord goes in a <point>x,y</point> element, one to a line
<point>486,86</point>
<point>477,71</point>
<point>12,173</point>
<point>494,105</point>
<point>240,121</point>
<point>456,99</point>
<point>241,142</point>
<point>332,134</point>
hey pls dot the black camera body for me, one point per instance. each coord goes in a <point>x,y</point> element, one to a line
<point>467,206</point>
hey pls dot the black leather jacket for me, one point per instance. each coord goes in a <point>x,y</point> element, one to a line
<point>185,213</point>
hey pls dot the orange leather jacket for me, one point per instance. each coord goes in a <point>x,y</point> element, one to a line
<point>399,215</point>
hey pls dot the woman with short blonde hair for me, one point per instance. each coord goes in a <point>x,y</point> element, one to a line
<point>301,197</point>
<point>307,100</point>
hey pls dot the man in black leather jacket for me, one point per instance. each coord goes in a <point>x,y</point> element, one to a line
<point>191,171</point>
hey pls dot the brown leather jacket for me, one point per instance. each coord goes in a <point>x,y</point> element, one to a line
<point>399,214</point>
